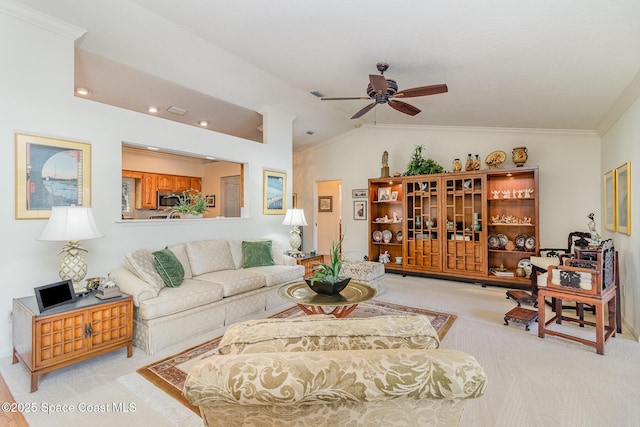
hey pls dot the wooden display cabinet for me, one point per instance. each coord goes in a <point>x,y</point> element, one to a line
<point>512,211</point>
<point>464,210</point>
<point>446,221</point>
<point>71,333</point>
<point>423,225</point>
<point>386,236</point>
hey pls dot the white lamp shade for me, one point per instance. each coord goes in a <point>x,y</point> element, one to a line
<point>70,223</point>
<point>294,217</point>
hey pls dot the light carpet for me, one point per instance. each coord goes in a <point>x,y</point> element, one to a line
<point>169,374</point>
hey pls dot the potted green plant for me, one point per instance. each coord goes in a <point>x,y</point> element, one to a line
<point>418,165</point>
<point>326,278</point>
<point>192,204</point>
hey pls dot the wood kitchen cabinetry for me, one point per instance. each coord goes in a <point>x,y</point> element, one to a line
<point>447,224</point>
<point>146,190</point>
<point>69,334</point>
<point>148,184</point>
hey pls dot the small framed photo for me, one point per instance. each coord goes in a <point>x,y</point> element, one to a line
<point>610,200</point>
<point>360,193</point>
<point>359,209</point>
<point>211,201</point>
<point>384,194</point>
<point>394,195</point>
<point>623,198</point>
<point>325,203</point>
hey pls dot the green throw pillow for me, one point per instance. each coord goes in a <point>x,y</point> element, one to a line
<point>168,267</point>
<point>257,253</point>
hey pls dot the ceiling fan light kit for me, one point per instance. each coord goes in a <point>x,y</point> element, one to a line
<point>381,90</point>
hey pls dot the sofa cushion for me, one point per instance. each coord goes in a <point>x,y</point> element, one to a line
<point>256,254</point>
<point>140,262</point>
<point>324,334</point>
<point>206,256</point>
<point>191,293</point>
<point>168,267</point>
<point>236,251</point>
<point>181,253</point>
<point>279,274</point>
<point>235,282</point>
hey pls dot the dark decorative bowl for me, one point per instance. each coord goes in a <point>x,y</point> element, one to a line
<point>328,288</point>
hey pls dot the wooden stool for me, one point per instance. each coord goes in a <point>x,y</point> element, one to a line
<point>522,296</point>
<point>521,315</point>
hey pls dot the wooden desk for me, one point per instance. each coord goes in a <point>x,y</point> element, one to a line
<point>603,332</point>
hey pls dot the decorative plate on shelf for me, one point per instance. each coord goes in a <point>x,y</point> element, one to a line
<point>377,236</point>
<point>524,262</point>
<point>495,158</point>
<point>503,240</point>
<point>386,236</point>
<point>520,239</point>
<point>399,237</point>
<point>530,243</point>
<point>494,241</point>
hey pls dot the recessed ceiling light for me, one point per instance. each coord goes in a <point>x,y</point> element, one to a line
<point>210,158</point>
<point>152,109</point>
<point>82,91</point>
<point>153,148</point>
<point>203,123</point>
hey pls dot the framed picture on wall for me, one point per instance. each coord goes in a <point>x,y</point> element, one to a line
<point>273,193</point>
<point>325,203</point>
<point>623,198</point>
<point>359,209</point>
<point>610,200</point>
<point>360,193</point>
<point>50,172</point>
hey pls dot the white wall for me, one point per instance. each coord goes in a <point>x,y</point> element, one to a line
<point>569,163</point>
<point>36,87</point>
<point>620,145</point>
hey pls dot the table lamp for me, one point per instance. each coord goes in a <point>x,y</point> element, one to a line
<point>295,218</point>
<point>71,224</point>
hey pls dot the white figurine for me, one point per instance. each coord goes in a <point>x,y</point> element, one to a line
<point>496,194</point>
<point>506,194</point>
<point>528,192</point>
<point>384,258</point>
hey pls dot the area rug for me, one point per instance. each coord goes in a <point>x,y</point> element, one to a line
<point>169,374</point>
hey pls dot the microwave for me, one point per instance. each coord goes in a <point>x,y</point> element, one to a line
<point>167,199</point>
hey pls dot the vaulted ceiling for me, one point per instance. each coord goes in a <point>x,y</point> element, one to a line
<point>553,64</point>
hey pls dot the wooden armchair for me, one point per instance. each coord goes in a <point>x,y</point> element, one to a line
<point>589,281</point>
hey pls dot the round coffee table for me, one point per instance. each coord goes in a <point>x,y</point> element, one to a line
<point>340,305</point>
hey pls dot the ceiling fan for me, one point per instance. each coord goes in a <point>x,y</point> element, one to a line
<point>381,90</point>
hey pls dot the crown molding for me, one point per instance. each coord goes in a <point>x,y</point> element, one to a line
<point>628,97</point>
<point>40,19</point>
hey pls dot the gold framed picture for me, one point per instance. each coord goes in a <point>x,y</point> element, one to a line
<point>50,172</point>
<point>274,192</point>
<point>610,200</point>
<point>623,198</point>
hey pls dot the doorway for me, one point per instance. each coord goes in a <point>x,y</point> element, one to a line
<point>328,214</point>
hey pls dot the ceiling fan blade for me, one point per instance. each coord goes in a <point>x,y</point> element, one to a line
<point>422,91</point>
<point>342,99</point>
<point>364,111</point>
<point>378,83</point>
<point>403,107</point>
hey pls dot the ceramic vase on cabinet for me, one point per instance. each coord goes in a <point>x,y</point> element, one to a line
<point>457,165</point>
<point>519,156</point>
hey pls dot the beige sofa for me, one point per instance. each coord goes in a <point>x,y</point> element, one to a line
<point>216,290</point>
<point>318,370</point>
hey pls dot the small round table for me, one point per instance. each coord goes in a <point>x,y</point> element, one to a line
<point>340,305</point>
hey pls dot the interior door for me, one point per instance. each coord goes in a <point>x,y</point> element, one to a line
<point>328,214</point>
<point>230,202</point>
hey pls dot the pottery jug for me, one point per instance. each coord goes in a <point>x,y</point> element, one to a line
<point>519,156</point>
<point>457,165</point>
<point>469,164</point>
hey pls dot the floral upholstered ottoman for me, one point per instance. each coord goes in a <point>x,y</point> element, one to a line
<point>371,273</point>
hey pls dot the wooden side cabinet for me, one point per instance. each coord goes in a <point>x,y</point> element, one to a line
<point>69,334</point>
<point>308,262</point>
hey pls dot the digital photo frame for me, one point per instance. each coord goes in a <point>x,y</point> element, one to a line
<point>55,295</point>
